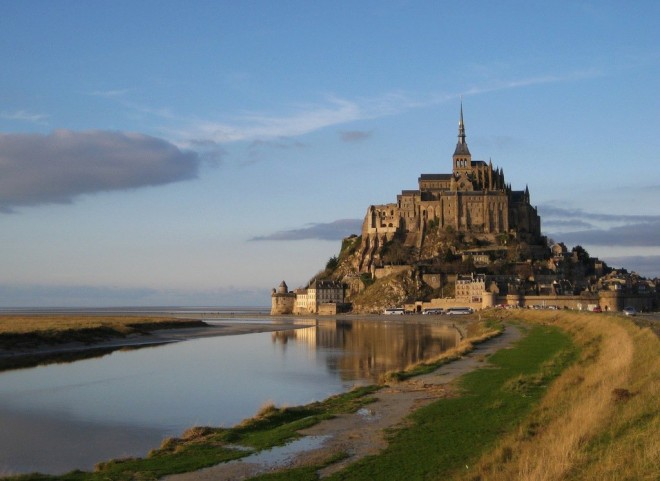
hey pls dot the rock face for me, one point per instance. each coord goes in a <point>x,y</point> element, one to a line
<point>474,200</point>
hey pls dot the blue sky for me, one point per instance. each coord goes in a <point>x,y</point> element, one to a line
<point>197,153</point>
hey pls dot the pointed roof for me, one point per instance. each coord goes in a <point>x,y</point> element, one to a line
<point>461,146</point>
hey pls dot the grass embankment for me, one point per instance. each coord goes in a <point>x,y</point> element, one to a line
<point>444,437</point>
<point>599,420</point>
<point>28,334</point>
<point>201,447</point>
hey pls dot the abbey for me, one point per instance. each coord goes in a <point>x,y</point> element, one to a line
<point>473,199</point>
<point>464,238</point>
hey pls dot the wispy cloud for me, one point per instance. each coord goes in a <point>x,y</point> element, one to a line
<point>336,111</point>
<point>24,116</point>
<point>258,148</point>
<point>112,93</point>
<point>354,135</point>
<point>508,84</point>
<point>634,235</point>
<point>56,168</point>
<point>648,266</point>
<point>578,226</point>
<point>255,126</point>
<point>332,231</point>
<point>563,213</point>
<point>53,296</point>
<point>571,223</point>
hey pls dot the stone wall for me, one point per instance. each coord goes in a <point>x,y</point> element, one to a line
<point>282,303</point>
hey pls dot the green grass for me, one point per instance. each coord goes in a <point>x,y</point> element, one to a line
<point>445,436</point>
<point>203,447</point>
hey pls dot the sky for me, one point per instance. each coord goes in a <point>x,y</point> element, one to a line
<point>197,153</point>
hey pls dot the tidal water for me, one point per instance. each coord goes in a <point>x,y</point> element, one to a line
<point>60,417</point>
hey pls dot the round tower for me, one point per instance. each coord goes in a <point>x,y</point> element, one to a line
<point>281,300</point>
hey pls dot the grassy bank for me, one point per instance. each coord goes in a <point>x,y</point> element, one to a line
<point>599,420</point>
<point>448,435</point>
<point>67,328</point>
<point>204,446</point>
<point>27,341</point>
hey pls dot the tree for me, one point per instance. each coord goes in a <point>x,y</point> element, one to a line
<point>332,263</point>
<point>395,252</point>
<point>581,253</point>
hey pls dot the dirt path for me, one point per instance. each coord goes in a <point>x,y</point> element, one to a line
<point>360,434</point>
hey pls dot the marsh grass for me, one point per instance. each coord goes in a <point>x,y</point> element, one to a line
<point>25,335</point>
<point>599,420</point>
<point>33,331</point>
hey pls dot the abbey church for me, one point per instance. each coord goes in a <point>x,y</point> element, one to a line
<point>473,199</point>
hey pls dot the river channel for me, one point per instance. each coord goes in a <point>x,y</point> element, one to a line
<point>60,417</point>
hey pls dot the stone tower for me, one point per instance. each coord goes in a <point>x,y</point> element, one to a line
<point>282,301</point>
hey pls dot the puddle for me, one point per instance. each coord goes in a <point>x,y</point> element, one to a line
<point>282,455</point>
<point>367,414</point>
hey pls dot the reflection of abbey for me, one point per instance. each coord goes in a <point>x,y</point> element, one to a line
<point>473,199</point>
<point>464,238</point>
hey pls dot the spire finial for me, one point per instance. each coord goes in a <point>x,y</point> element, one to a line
<point>461,146</point>
<point>460,122</point>
<point>461,126</point>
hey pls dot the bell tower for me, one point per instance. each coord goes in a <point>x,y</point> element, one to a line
<point>462,158</point>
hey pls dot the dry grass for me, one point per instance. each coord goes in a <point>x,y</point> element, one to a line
<point>16,324</point>
<point>266,409</point>
<point>599,420</point>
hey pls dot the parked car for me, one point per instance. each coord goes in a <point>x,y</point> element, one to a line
<point>597,309</point>
<point>629,311</point>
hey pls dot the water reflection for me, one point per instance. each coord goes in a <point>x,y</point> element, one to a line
<point>360,350</point>
<point>148,394</point>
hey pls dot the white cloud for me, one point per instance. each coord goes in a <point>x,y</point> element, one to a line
<point>254,126</point>
<point>24,115</point>
<point>340,111</point>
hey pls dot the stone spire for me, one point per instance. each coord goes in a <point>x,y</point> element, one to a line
<point>461,146</point>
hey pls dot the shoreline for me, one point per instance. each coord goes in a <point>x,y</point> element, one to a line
<point>216,324</point>
<point>353,436</point>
